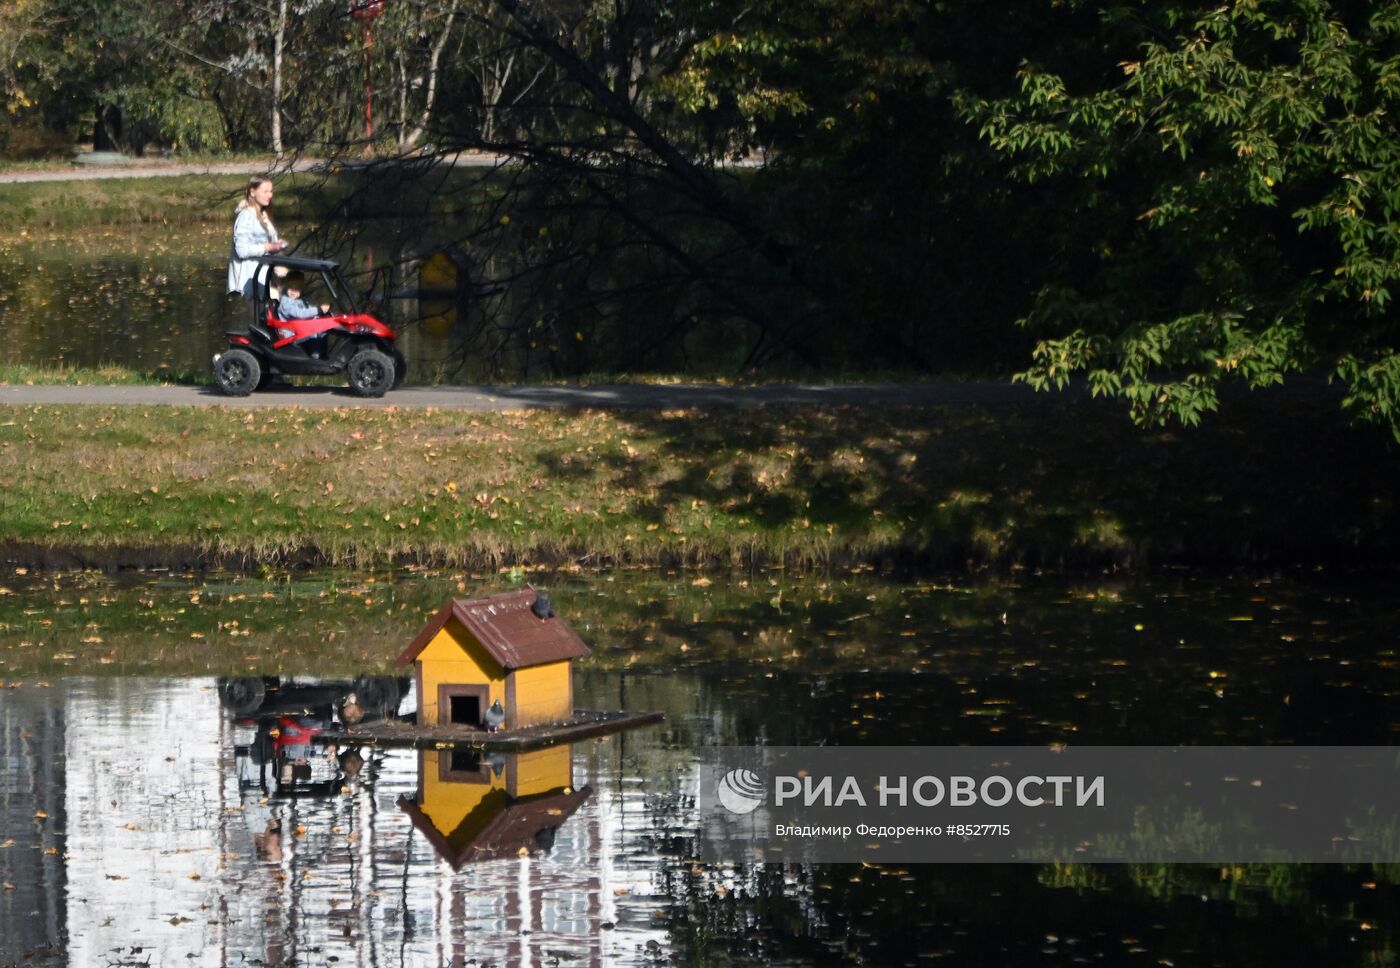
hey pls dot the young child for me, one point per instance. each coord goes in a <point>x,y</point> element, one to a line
<point>291,305</point>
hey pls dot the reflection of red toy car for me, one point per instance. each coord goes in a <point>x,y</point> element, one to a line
<point>278,721</point>
<point>294,735</point>
<point>344,340</point>
<point>366,9</point>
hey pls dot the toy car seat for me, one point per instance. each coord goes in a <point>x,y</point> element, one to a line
<point>265,310</point>
<point>274,298</point>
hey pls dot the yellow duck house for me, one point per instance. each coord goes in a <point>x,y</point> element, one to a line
<point>509,649</point>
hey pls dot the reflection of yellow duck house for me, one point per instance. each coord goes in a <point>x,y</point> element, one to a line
<point>508,648</point>
<point>475,806</point>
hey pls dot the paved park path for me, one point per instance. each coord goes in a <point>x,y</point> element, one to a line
<point>164,169</point>
<point>159,168</point>
<point>601,397</point>
<point>152,170</point>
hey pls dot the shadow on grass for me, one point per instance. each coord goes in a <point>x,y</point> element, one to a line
<point>1278,477</point>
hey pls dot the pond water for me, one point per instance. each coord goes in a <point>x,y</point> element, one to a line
<point>158,806</point>
<point>152,298</point>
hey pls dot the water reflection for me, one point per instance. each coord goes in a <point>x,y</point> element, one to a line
<point>173,837</point>
<point>32,824</point>
<point>162,813</point>
<point>474,806</point>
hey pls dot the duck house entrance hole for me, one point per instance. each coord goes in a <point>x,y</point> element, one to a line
<point>466,710</point>
<point>466,761</point>
<point>460,705</point>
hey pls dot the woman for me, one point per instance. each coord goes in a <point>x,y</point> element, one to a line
<point>253,236</point>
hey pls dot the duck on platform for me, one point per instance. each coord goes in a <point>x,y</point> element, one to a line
<point>494,717</point>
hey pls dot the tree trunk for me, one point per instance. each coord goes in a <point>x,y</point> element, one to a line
<point>431,94</point>
<point>401,125</point>
<point>107,129</point>
<point>278,40</point>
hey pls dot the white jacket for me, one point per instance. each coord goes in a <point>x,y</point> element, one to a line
<point>250,238</point>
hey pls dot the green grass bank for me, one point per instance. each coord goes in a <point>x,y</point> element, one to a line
<point>1277,480</point>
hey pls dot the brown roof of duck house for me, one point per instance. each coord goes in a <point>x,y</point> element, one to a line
<point>504,624</point>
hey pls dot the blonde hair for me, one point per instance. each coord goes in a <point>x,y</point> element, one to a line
<point>255,183</point>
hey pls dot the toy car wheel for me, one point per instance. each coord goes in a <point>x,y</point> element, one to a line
<point>237,372</point>
<point>242,695</point>
<point>377,693</point>
<point>370,373</point>
<point>400,368</point>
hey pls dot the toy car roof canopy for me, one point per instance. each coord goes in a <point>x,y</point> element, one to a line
<point>293,262</point>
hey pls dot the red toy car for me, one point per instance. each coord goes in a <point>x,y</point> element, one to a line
<point>345,340</point>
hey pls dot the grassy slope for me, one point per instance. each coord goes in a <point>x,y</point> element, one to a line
<point>69,205</point>
<point>1278,479</point>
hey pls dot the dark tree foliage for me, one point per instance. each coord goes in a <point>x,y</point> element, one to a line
<point>1226,182</point>
<point>863,242</point>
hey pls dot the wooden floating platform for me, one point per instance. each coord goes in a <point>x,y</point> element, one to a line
<point>585,723</point>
